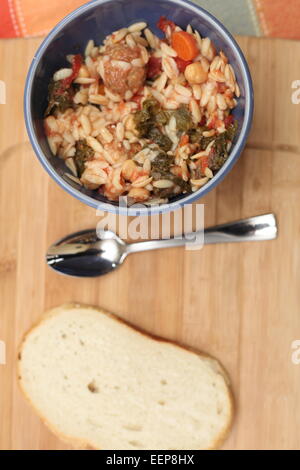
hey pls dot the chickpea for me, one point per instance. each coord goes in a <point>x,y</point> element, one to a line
<point>139,194</point>
<point>128,169</point>
<point>195,73</point>
<point>83,72</point>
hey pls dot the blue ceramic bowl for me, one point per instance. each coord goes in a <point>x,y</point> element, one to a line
<point>95,20</point>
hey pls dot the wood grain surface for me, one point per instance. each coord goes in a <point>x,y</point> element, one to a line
<point>240,303</point>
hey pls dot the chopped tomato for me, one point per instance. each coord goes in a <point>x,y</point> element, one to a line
<point>163,23</point>
<point>185,45</point>
<point>137,99</point>
<point>121,106</point>
<point>228,120</point>
<point>203,164</point>
<point>101,90</point>
<point>137,174</point>
<point>203,121</point>
<point>184,140</point>
<point>143,173</point>
<point>154,67</point>
<point>212,123</point>
<point>182,64</point>
<point>221,87</point>
<point>76,64</point>
<point>177,171</point>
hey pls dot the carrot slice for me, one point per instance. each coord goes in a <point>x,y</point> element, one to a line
<point>185,45</point>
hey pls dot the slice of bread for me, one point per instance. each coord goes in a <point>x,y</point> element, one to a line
<point>97,382</point>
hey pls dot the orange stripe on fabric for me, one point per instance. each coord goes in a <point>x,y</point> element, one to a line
<point>20,17</point>
<point>8,27</point>
<point>38,17</point>
<point>14,18</point>
<point>279,18</point>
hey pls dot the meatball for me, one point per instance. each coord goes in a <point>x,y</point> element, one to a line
<point>119,79</point>
<point>123,52</point>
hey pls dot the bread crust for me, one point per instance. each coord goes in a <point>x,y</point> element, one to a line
<point>82,444</point>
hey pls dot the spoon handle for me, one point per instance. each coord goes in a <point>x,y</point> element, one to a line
<point>262,227</point>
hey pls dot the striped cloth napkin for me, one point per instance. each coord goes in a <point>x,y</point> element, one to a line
<point>272,18</point>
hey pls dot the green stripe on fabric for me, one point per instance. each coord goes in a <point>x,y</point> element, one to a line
<point>239,16</point>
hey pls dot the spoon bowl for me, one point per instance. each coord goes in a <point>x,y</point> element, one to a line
<point>87,253</point>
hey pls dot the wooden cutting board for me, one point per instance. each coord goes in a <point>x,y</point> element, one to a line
<point>240,303</point>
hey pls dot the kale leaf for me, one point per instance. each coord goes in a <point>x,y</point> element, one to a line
<point>83,153</point>
<point>147,122</point>
<point>59,98</point>
<point>184,120</point>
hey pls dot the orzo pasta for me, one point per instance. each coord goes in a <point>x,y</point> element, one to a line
<point>142,116</point>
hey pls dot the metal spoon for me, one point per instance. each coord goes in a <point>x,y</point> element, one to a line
<point>83,254</point>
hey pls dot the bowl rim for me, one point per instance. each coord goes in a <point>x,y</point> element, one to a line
<point>138,209</point>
